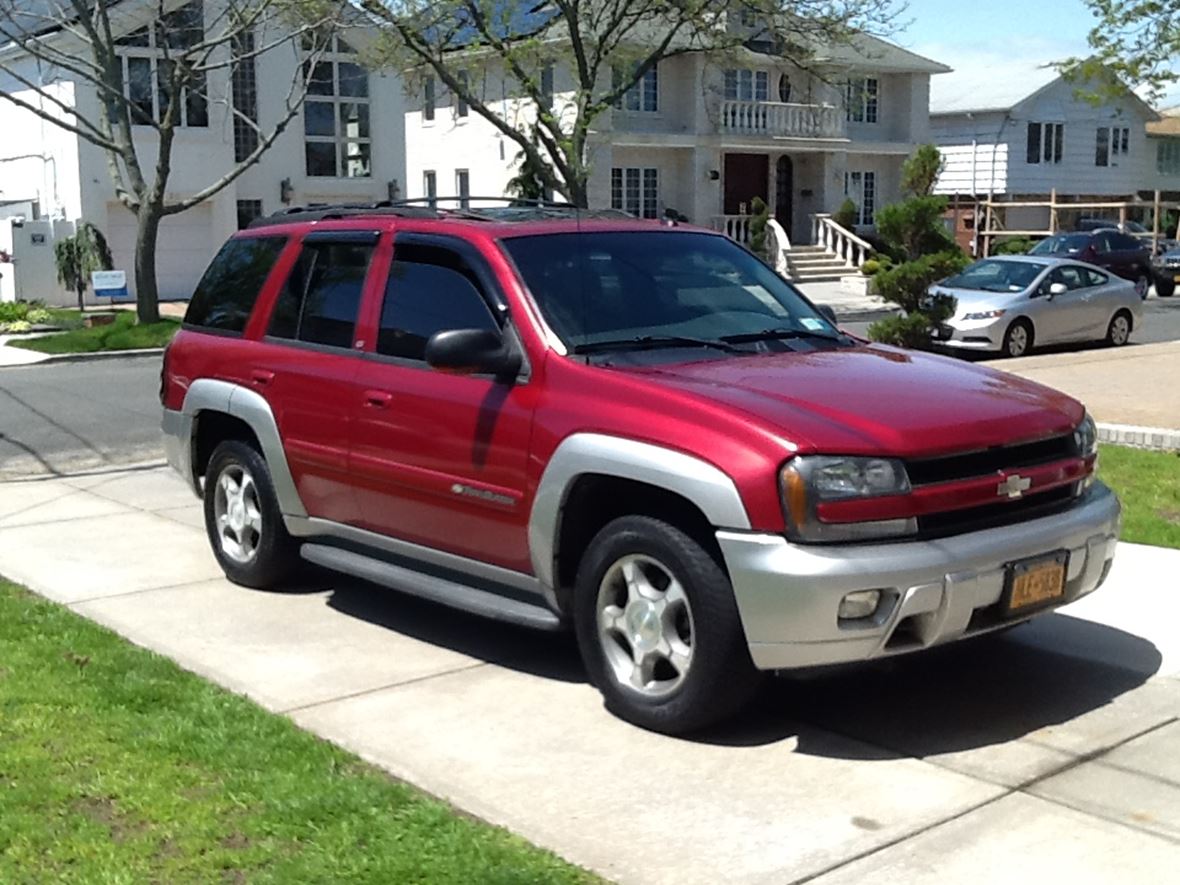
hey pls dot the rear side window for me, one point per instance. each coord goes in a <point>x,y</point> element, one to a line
<point>322,295</point>
<point>430,290</point>
<point>227,292</point>
<point>1095,277</point>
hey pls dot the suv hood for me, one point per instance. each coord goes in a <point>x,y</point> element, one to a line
<point>876,400</point>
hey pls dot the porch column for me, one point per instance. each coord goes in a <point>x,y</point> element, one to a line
<point>706,191</point>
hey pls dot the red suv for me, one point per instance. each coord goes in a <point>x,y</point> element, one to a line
<point>635,429</point>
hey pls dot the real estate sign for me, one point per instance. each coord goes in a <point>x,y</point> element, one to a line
<point>109,284</point>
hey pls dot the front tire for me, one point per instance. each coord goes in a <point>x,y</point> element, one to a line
<point>659,630</point>
<point>1165,288</point>
<point>1142,285</point>
<point>1119,330</point>
<point>243,520</point>
<point>1018,340</point>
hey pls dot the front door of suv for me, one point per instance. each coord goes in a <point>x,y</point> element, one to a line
<point>439,459</point>
<point>306,363</point>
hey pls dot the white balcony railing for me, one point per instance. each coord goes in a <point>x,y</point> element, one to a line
<point>737,227</point>
<point>840,241</point>
<point>787,120</point>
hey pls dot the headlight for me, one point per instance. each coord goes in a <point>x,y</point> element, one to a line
<point>811,480</point>
<point>1086,437</point>
<point>984,315</point>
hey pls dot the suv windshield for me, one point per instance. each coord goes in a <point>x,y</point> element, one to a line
<point>1067,243</point>
<point>992,275</point>
<point>659,289</point>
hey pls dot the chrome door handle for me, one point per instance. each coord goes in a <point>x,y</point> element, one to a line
<point>377,399</point>
<point>262,377</point>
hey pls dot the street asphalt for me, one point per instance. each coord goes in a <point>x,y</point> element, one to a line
<point>1044,755</point>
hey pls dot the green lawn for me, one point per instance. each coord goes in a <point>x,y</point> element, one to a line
<point>118,766</point>
<point>123,334</point>
<point>1148,483</point>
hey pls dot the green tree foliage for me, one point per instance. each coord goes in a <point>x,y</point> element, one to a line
<point>920,171</point>
<point>914,235</point>
<point>531,174</point>
<point>1012,246</point>
<point>78,256</point>
<point>759,217</point>
<point>1134,43</point>
<point>847,214</point>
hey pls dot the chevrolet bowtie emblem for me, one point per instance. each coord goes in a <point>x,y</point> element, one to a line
<point>1013,486</point>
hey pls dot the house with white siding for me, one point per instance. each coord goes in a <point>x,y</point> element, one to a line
<point>345,145</point>
<point>1163,140</point>
<point>705,136</point>
<point>1032,133</point>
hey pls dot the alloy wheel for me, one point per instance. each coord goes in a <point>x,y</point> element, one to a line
<point>238,513</point>
<point>645,625</point>
<point>1120,330</point>
<point>1017,341</point>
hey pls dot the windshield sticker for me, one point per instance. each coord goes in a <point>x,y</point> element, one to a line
<point>811,324</point>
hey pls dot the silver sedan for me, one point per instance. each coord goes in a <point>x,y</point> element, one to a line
<point>1011,303</point>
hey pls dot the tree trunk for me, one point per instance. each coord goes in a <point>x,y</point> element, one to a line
<point>147,295</point>
<point>579,191</point>
<point>81,290</point>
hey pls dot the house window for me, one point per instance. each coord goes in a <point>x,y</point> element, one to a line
<point>248,210</point>
<point>861,100</point>
<point>244,85</point>
<point>635,190</point>
<point>547,86</point>
<point>463,188</point>
<point>1045,142</point>
<point>460,101</point>
<point>861,188</point>
<point>336,116</point>
<point>644,96</point>
<point>430,187</point>
<point>1167,157</point>
<point>428,99</point>
<point>747,85</point>
<point>1111,144</point>
<point>147,73</point>
<point>784,89</point>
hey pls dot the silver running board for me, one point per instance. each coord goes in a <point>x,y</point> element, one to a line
<point>441,590</point>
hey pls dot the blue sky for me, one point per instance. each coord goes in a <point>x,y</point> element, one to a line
<point>983,34</point>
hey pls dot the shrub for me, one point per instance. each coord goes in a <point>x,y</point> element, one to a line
<point>15,326</point>
<point>920,171</point>
<point>1013,246</point>
<point>758,220</point>
<point>11,311</point>
<point>870,267</point>
<point>846,215</point>
<point>38,315</point>
<point>914,227</point>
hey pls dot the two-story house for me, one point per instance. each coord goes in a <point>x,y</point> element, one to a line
<point>704,136</point>
<point>1163,140</point>
<point>344,145</point>
<point>1032,134</point>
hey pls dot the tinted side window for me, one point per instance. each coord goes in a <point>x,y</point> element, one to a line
<point>428,291</point>
<point>227,292</point>
<point>1102,243</point>
<point>322,295</point>
<point>1126,241</point>
<point>1071,275</point>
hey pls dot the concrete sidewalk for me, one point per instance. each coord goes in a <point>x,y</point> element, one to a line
<point>1135,385</point>
<point>1045,756</point>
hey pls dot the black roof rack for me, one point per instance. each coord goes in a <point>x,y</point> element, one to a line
<point>507,209</point>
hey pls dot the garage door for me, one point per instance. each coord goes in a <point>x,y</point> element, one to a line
<point>183,250</point>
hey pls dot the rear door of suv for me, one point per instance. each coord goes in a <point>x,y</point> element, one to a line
<point>306,362</point>
<point>440,459</point>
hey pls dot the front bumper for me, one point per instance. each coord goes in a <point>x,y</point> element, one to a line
<point>973,334</point>
<point>932,591</point>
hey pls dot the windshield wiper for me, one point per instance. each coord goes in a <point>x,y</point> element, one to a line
<point>779,335</point>
<point>651,342</point>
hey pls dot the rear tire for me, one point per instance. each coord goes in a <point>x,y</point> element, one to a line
<point>1018,340</point>
<point>1119,330</point>
<point>243,519</point>
<point>659,630</point>
<point>1165,288</point>
<point>1142,285</point>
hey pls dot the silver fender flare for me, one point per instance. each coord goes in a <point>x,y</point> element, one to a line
<point>208,394</point>
<point>704,485</point>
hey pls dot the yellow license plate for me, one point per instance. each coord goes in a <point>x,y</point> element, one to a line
<point>1036,582</point>
<point>1176,278</point>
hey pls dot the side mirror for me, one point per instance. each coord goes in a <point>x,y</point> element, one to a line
<point>472,352</point>
<point>1056,289</point>
<point>828,314</point>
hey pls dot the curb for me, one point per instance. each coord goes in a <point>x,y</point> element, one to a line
<point>100,355</point>
<point>865,315</point>
<point>1157,438</point>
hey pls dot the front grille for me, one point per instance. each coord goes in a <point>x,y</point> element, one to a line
<point>974,519</point>
<point>1000,458</point>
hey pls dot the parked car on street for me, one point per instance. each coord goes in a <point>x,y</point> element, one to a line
<point>1134,228</point>
<point>1166,270</point>
<point>1012,303</point>
<point>1119,253</point>
<point>632,429</point>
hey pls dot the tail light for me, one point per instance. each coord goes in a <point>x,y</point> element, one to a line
<point>164,374</point>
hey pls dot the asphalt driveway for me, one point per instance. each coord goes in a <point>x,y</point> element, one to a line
<point>1046,755</point>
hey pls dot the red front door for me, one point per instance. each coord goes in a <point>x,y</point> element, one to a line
<point>746,176</point>
<point>440,459</point>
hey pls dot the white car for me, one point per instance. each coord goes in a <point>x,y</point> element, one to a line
<point>1011,303</point>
